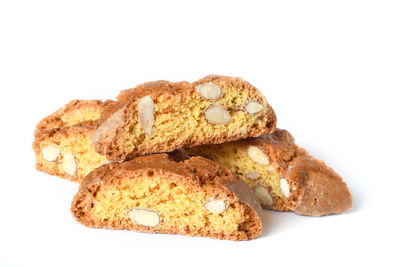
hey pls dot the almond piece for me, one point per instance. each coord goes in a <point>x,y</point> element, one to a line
<point>253,107</point>
<point>217,115</point>
<point>209,90</point>
<point>256,155</point>
<point>144,217</point>
<point>252,175</point>
<point>284,186</point>
<point>215,206</point>
<point>50,153</point>
<point>263,196</point>
<point>146,114</point>
<point>69,164</point>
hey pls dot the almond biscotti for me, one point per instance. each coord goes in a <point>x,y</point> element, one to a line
<point>63,140</point>
<point>156,194</point>
<point>163,116</point>
<point>283,176</point>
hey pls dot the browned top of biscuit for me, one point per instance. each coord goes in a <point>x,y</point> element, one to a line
<point>82,127</point>
<point>320,190</point>
<point>71,114</point>
<point>196,172</point>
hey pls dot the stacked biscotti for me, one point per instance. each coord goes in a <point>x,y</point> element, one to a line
<point>196,159</point>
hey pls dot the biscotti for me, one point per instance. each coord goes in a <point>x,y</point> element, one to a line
<point>156,194</point>
<point>163,116</point>
<point>283,176</point>
<point>63,142</point>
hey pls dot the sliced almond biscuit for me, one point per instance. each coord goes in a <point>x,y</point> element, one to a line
<point>164,116</point>
<point>284,176</point>
<point>156,194</point>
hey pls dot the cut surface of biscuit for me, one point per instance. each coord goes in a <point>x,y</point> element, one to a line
<point>63,143</point>
<point>163,116</point>
<point>156,194</point>
<point>67,152</point>
<point>283,176</point>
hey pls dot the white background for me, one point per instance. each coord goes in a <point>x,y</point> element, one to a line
<point>330,69</point>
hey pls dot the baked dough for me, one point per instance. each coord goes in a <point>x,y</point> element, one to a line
<point>157,194</point>
<point>163,116</point>
<point>76,111</point>
<point>63,140</point>
<point>283,176</point>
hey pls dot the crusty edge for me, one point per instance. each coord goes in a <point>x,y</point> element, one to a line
<point>247,197</point>
<point>321,190</point>
<point>70,106</point>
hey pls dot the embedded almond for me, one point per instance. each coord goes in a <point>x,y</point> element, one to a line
<point>146,114</point>
<point>256,155</point>
<point>144,217</point>
<point>263,196</point>
<point>209,90</point>
<point>284,186</point>
<point>252,175</point>
<point>216,206</point>
<point>69,164</point>
<point>217,115</point>
<point>253,107</point>
<point>51,153</point>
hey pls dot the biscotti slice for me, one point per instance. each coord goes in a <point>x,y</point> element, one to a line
<point>156,194</point>
<point>283,176</point>
<point>72,113</point>
<point>163,116</point>
<point>65,150</point>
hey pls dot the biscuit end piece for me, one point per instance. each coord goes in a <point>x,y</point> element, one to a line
<point>323,191</point>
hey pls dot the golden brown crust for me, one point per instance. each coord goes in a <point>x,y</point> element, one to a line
<point>197,172</point>
<point>323,191</point>
<point>113,120</point>
<point>63,117</point>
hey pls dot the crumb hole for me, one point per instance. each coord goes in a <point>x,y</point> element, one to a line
<point>172,185</point>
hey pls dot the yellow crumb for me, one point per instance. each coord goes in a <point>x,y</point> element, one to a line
<point>185,120</point>
<point>178,205</point>
<point>235,158</point>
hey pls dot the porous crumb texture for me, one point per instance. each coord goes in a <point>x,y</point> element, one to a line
<point>235,158</point>
<point>289,180</point>
<point>72,113</point>
<point>183,117</point>
<point>76,156</point>
<point>63,140</point>
<point>176,192</point>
